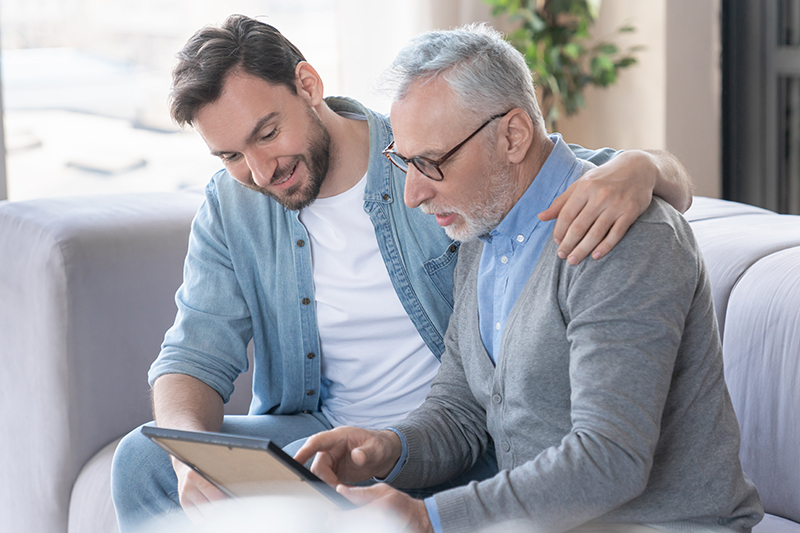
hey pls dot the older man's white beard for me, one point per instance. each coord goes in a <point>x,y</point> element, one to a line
<point>484,211</point>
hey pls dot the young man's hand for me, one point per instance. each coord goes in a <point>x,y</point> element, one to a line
<point>194,491</point>
<point>595,212</point>
<point>349,454</point>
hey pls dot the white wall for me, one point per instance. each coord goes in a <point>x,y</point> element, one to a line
<point>671,99</point>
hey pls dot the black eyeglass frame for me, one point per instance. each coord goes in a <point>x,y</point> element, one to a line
<point>420,162</point>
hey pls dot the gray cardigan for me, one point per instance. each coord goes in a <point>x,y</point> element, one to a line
<point>608,401</point>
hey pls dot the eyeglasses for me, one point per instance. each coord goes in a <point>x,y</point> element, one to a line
<point>428,167</point>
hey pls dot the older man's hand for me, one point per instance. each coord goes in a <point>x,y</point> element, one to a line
<point>350,454</point>
<point>410,511</point>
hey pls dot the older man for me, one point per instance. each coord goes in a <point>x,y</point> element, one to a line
<point>601,386</point>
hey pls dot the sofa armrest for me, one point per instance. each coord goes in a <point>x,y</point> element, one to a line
<point>86,294</point>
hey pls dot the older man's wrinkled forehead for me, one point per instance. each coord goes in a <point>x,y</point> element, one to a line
<point>426,119</point>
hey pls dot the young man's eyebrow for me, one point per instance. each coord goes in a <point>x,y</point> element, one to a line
<point>259,125</point>
<point>253,134</point>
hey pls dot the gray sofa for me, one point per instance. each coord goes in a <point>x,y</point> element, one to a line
<point>86,293</point>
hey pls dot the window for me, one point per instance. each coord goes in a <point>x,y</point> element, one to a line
<point>761,103</point>
<point>85,83</point>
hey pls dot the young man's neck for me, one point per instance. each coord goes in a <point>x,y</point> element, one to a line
<point>349,151</point>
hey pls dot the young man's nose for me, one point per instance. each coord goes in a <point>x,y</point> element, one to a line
<point>261,170</point>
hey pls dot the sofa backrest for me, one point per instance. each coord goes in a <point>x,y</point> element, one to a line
<point>753,259</point>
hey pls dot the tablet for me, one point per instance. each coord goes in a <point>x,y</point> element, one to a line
<point>244,466</point>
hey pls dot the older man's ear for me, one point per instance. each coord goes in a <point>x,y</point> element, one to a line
<point>516,134</point>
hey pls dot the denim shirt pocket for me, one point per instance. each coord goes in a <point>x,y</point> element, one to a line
<point>441,270</point>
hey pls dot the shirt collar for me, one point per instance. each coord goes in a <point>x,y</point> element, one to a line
<point>546,186</point>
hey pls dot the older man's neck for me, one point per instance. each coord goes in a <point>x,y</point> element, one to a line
<point>349,152</point>
<point>534,160</point>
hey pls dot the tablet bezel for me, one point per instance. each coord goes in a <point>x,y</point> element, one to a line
<point>165,439</point>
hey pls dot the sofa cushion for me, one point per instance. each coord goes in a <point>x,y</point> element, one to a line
<point>761,348</point>
<point>90,507</point>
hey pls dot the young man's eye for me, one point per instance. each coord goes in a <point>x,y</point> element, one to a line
<point>228,158</point>
<point>269,135</point>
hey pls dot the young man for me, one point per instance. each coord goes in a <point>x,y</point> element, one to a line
<point>600,385</point>
<point>304,247</point>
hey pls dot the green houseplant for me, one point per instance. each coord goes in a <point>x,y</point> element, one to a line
<point>554,36</point>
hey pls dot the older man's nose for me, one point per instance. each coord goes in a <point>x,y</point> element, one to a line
<point>418,187</point>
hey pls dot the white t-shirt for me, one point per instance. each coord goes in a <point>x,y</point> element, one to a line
<point>376,365</point>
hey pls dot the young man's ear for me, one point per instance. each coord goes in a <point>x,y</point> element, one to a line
<point>516,133</point>
<point>308,83</point>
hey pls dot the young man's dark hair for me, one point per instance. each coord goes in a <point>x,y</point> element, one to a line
<point>212,53</point>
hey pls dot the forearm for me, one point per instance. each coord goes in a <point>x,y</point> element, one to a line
<point>672,183</point>
<point>445,436</point>
<point>183,402</point>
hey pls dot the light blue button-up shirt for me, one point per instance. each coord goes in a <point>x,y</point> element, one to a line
<point>511,250</point>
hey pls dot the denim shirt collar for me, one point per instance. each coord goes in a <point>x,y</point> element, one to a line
<point>379,184</point>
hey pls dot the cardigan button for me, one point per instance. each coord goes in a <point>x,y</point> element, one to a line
<point>497,398</point>
<point>506,446</point>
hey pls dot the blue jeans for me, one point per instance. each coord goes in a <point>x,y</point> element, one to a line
<point>144,485</point>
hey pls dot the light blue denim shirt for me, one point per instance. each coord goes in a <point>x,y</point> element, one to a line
<point>248,275</point>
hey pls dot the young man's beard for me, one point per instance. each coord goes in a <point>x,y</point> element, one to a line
<point>316,160</point>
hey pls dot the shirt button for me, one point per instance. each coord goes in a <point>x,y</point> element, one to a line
<point>301,243</point>
<point>452,248</point>
<point>506,446</point>
<point>306,301</point>
<point>497,398</point>
<point>307,412</point>
<point>310,392</point>
<point>504,259</point>
<point>497,326</point>
<point>520,238</point>
<point>386,197</point>
<point>311,355</point>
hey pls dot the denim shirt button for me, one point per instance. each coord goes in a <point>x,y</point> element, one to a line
<point>452,248</point>
<point>386,197</point>
<point>301,243</point>
<point>310,392</point>
<point>306,301</point>
<point>311,355</point>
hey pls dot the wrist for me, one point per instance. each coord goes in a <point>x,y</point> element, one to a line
<point>393,450</point>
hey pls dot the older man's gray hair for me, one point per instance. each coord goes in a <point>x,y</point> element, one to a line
<point>488,75</point>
